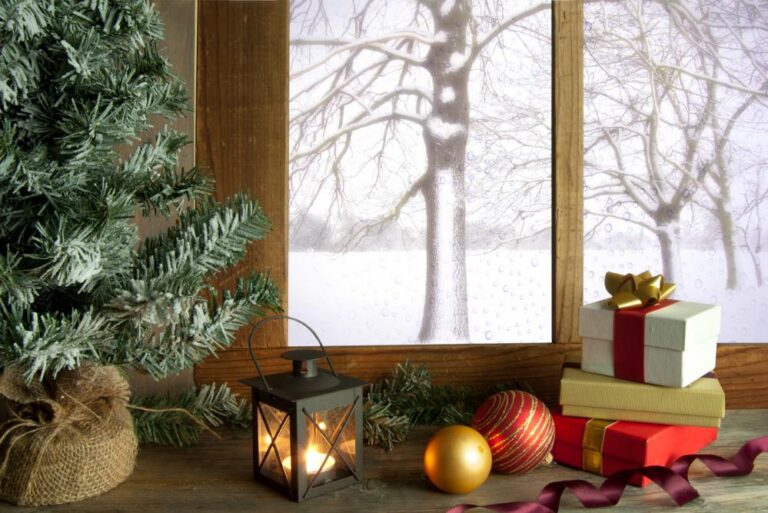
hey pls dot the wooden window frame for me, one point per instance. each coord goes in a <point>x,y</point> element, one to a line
<point>242,136</point>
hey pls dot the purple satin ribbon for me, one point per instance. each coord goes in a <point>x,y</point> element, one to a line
<point>673,480</point>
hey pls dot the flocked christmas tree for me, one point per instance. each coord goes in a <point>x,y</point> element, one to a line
<point>79,80</point>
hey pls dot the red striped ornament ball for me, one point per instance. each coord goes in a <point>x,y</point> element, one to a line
<point>519,429</point>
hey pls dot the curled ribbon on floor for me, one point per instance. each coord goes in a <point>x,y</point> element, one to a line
<point>673,480</point>
<point>637,290</point>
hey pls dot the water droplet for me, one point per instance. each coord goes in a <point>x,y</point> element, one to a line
<point>488,335</point>
<point>591,274</point>
<point>505,288</point>
<point>384,312</point>
<point>608,228</point>
<point>534,262</point>
<point>699,284</point>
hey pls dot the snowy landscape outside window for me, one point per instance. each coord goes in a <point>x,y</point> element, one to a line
<point>420,171</point>
<point>676,117</point>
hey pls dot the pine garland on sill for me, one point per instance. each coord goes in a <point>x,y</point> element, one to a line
<point>409,397</point>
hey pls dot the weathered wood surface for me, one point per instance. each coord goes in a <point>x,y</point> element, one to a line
<point>242,125</point>
<point>742,368</point>
<point>538,365</point>
<point>568,178</point>
<point>216,477</point>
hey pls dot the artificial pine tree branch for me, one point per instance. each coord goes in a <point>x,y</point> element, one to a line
<point>210,237</point>
<point>79,81</point>
<point>188,330</point>
<point>409,397</point>
<point>46,344</point>
<point>15,285</point>
<point>180,420</point>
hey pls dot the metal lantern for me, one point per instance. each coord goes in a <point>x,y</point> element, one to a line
<point>307,423</point>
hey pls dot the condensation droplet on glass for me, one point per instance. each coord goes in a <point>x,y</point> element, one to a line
<point>384,312</point>
<point>699,284</point>
<point>534,262</point>
<point>591,274</point>
<point>505,288</point>
<point>488,335</point>
<point>495,284</point>
<point>608,228</point>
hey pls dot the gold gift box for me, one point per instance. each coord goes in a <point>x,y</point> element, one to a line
<point>603,397</point>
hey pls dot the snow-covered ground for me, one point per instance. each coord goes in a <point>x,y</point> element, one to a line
<point>376,298</point>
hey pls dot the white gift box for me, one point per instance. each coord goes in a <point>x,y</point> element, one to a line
<point>680,341</point>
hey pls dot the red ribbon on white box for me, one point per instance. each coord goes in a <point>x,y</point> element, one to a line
<point>629,341</point>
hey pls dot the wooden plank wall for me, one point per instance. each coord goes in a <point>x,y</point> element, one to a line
<point>242,124</point>
<point>241,131</point>
<point>568,178</point>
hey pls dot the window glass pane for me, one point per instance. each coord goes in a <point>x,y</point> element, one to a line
<point>420,171</point>
<point>676,113</point>
<point>274,443</point>
<point>330,445</point>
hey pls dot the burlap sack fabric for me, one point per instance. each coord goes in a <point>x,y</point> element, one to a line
<point>66,440</point>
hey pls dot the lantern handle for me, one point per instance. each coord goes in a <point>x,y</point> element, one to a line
<point>274,318</point>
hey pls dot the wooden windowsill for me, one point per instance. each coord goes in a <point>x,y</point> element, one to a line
<point>216,477</point>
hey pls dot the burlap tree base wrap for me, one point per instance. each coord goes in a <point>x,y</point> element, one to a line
<point>67,440</point>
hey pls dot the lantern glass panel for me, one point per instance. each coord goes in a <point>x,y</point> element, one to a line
<point>274,458</point>
<point>330,433</point>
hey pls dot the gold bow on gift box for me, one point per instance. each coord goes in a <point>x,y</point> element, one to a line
<point>637,290</point>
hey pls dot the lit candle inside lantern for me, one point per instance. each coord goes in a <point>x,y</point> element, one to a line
<point>314,459</point>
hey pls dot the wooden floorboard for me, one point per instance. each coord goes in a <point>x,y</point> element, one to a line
<point>216,477</point>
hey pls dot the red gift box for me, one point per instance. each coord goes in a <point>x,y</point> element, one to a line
<point>605,447</point>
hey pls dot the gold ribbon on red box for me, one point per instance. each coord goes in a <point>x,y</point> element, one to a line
<point>637,290</point>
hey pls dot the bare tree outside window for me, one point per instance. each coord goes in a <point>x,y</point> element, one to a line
<point>676,117</point>
<point>420,169</point>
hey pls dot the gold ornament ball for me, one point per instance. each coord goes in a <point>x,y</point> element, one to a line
<point>457,459</point>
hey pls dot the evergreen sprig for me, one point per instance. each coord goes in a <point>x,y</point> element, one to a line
<point>409,397</point>
<point>178,420</point>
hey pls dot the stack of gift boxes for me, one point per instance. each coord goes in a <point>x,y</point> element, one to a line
<point>646,393</point>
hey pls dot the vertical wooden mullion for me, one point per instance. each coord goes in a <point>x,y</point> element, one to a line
<point>568,178</point>
<point>242,126</point>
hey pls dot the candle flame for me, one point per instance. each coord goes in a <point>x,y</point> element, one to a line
<point>314,459</point>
